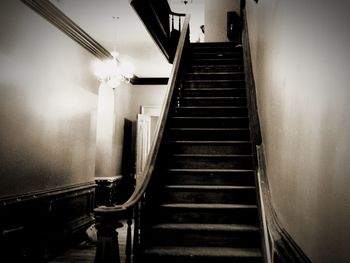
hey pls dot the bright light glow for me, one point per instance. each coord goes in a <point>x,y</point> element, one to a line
<point>112,71</point>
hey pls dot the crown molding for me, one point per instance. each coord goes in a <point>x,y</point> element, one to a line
<point>56,17</point>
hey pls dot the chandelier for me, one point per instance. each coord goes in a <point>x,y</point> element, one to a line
<point>112,72</point>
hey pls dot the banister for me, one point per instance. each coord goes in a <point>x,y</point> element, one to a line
<point>108,217</point>
<point>176,14</point>
<point>149,166</point>
<point>155,16</point>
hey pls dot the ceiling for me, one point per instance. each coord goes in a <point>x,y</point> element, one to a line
<point>115,25</point>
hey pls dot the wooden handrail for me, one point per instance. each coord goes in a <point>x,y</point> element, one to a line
<point>177,14</point>
<point>150,163</point>
<point>108,217</point>
<point>156,15</point>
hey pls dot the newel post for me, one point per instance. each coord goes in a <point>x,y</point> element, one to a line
<point>107,250</point>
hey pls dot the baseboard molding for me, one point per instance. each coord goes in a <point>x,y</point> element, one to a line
<point>39,225</point>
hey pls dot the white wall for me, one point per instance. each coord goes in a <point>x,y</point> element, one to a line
<point>216,19</point>
<point>47,106</point>
<point>114,106</point>
<point>301,58</point>
<point>146,95</point>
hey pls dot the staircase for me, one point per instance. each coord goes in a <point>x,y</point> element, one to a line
<point>205,208</point>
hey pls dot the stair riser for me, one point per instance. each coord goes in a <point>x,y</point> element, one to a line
<point>214,76</point>
<point>212,112</point>
<point>191,148</point>
<point>211,123</point>
<point>213,45</point>
<point>191,259</point>
<point>208,84</point>
<point>211,178</point>
<point>216,54</point>
<point>216,61</point>
<point>217,68</point>
<point>166,237</point>
<point>209,216</point>
<point>206,101</point>
<point>186,162</point>
<point>236,196</point>
<point>213,93</point>
<point>201,135</point>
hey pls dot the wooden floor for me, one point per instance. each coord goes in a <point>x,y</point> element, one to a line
<point>85,252</point>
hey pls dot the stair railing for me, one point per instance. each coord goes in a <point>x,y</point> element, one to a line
<point>174,32</point>
<point>108,218</point>
<point>159,20</point>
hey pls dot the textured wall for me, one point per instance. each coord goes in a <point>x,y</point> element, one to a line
<point>48,100</point>
<point>301,59</point>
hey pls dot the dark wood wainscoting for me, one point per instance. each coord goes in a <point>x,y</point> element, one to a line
<point>38,226</point>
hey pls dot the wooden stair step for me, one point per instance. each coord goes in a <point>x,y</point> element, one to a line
<point>211,176</point>
<point>208,206</point>
<point>203,254</point>
<point>223,83</point>
<point>209,187</point>
<point>208,227</point>
<point>217,133</point>
<point>214,76</point>
<point>213,92</point>
<point>215,61</point>
<point>213,101</point>
<point>212,111</point>
<point>216,68</point>
<point>208,213</point>
<point>210,122</point>
<point>216,235</point>
<point>209,194</point>
<point>210,147</point>
<point>217,54</point>
<point>210,161</point>
<point>210,48</point>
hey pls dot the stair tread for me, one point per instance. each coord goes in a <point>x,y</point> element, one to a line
<point>213,80</point>
<point>212,98</point>
<point>216,65</point>
<point>210,155</point>
<point>207,205</point>
<point>208,117</point>
<point>215,59</point>
<point>210,129</point>
<point>212,89</point>
<point>217,73</point>
<point>208,227</point>
<point>211,170</point>
<point>211,107</point>
<point>209,187</point>
<point>205,251</point>
<point>208,142</point>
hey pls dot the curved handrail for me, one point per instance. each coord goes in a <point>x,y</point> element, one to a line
<point>176,14</point>
<point>150,163</point>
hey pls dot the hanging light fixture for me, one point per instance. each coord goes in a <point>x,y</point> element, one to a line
<point>112,72</point>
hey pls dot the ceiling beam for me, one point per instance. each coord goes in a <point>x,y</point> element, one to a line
<point>148,81</point>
